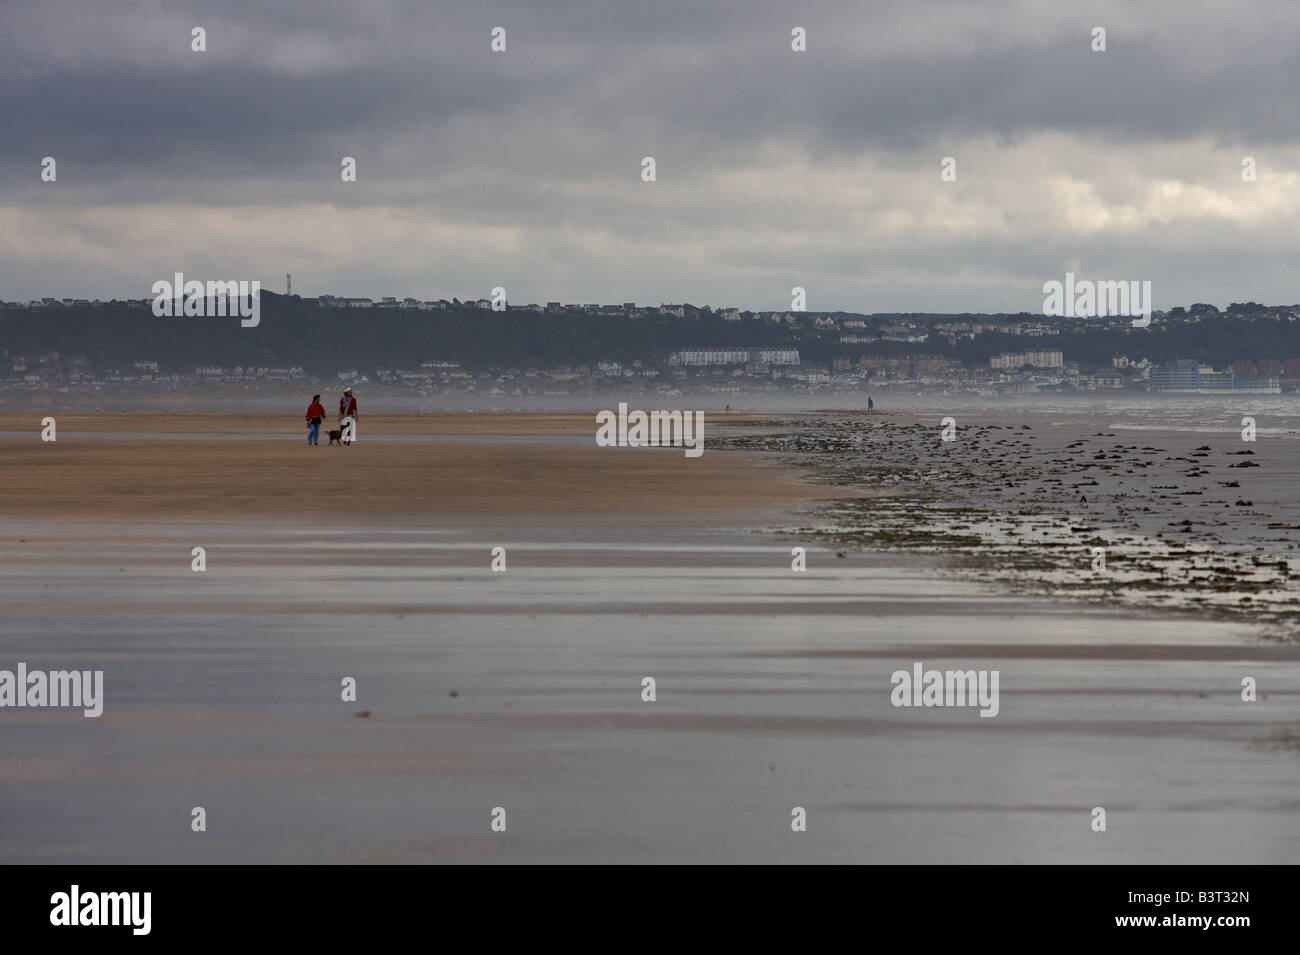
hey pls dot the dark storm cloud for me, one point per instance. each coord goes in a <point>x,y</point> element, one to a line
<point>717,76</point>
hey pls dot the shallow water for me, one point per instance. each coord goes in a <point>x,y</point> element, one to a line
<point>773,691</point>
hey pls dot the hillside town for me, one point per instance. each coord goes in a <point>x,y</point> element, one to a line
<point>807,354</point>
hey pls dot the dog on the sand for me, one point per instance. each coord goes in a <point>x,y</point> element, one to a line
<point>336,437</point>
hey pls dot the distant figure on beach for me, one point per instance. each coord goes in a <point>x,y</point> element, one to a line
<point>870,404</point>
<point>348,416</point>
<point>315,415</point>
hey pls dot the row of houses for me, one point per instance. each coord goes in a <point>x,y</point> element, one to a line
<point>337,301</point>
<point>292,373</point>
<point>566,308</point>
<point>391,301</point>
<point>59,303</point>
<point>1036,359</point>
<point>708,357</point>
<point>1030,329</point>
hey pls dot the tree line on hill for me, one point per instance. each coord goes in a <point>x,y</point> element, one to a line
<point>296,331</point>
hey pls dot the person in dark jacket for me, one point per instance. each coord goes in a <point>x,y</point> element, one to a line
<point>315,415</point>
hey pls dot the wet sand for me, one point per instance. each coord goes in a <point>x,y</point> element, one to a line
<point>523,689</point>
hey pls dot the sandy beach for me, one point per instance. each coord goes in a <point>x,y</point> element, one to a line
<point>448,467</point>
<point>523,689</point>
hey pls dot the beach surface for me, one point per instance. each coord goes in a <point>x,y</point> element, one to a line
<point>473,468</point>
<point>523,688</point>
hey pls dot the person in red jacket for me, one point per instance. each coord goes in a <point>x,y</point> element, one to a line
<point>348,409</point>
<point>315,415</point>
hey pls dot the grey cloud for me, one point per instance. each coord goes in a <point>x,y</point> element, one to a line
<point>547,138</point>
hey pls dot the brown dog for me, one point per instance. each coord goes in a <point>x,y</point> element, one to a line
<point>336,437</point>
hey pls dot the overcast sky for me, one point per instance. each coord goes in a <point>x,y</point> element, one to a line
<point>523,169</point>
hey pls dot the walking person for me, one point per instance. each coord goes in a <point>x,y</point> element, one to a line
<point>315,415</point>
<point>348,416</point>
